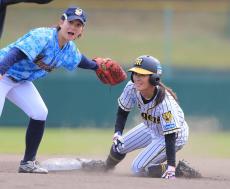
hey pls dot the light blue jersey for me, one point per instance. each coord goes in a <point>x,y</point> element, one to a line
<point>43,54</point>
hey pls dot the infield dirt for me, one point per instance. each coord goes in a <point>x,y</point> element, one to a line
<point>215,171</point>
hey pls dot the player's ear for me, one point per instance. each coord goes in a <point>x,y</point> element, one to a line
<point>80,35</point>
<point>60,23</point>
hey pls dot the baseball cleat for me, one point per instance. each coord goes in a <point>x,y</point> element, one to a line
<point>31,167</point>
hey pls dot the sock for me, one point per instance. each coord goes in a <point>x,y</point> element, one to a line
<point>113,159</point>
<point>34,135</point>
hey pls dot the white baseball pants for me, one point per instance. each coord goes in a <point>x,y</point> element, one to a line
<point>25,96</point>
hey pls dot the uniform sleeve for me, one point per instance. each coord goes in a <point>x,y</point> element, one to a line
<point>127,99</point>
<point>32,43</point>
<point>121,120</point>
<point>168,117</point>
<point>13,56</point>
<point>72,57</point>
<point>87,63</point>
<point>170,144</point>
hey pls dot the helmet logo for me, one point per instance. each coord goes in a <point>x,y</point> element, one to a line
<point>159,70</point>
<point>78,12</point>
<point>138,62</point>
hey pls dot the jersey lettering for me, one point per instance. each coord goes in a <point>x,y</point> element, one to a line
<point>151,118</point>
<point>165,118</point>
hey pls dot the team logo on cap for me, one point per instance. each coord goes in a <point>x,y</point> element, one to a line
<point>78,12</point>
<point>138,61</point>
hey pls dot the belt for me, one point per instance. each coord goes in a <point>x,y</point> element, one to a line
<point>12,79</point>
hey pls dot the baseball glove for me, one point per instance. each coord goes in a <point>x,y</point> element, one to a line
<point>109,71</point>
<point>184,170</point>
<point>94,165</point>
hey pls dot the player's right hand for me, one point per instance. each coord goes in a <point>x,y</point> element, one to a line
<point>169,173</point>
<point>118,141</point>
<point>0,76</point>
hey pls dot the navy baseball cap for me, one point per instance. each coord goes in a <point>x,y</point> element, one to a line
<point>146,65</point>
<point>75,13</point>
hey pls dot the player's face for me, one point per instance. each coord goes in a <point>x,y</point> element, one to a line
<point>70,30</point>
<point>141,82</point>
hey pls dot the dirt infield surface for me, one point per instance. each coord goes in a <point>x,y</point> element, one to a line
<point>215,171</point>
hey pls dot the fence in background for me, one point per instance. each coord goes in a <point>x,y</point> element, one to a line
<point>81,100</point>
<point>191,38</point>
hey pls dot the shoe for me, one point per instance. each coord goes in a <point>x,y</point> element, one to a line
<point>31,167</point>
<point>155,170</point>
<point>184,170</point>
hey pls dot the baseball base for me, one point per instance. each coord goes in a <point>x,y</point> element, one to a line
<point>63,164</point>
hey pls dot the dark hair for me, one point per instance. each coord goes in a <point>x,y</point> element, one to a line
<point>162,92</point>
<point>57,26</point>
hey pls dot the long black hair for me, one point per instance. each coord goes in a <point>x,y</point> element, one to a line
<point>162,92</point>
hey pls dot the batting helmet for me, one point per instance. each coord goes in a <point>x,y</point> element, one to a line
<point>147,65</point>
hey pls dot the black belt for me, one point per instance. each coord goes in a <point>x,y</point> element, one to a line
<point>13,79</point>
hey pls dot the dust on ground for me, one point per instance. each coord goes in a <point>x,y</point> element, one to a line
<point>215,171</point>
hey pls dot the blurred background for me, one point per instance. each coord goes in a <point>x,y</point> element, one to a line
<point>191,38</point>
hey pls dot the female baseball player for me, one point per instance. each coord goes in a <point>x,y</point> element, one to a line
<point>163,131</point>
<point>33,56</point>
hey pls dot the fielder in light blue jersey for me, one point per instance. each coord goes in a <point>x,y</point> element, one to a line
<point>31,57</point>
<point>43,54</point>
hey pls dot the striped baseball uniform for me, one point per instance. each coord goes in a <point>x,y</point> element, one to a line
<point>165,118</point>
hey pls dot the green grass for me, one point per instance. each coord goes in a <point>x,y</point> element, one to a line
<point>97,142</point>
<point>214,144</point>
<point>198,39</point>
<point>187,51</point>
<point>59,141</point>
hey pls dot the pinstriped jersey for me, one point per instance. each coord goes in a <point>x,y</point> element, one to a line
<point>165,118</point>
<point>43,53</point>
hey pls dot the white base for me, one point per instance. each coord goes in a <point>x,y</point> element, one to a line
<point>63,164</point>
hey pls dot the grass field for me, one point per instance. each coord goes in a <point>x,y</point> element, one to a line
<point>186,38</point>
<point>97,142</point>
<point>197,36</point>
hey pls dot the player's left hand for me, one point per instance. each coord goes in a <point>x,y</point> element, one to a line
<point>169,173</point>
<point>109,71</point>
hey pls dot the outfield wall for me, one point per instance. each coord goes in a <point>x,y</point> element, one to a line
<point>79,99</point>
<point>179,33</point>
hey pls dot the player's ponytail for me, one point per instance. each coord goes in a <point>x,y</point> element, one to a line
<point>162,91</point>
<point>169,90</point>
<point>57,26</point>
